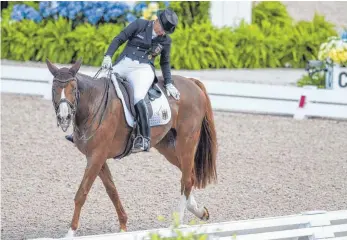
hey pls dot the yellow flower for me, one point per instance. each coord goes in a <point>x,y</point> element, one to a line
<point>153,7</point>
<point>146,14</point>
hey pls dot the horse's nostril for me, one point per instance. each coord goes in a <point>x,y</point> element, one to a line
<point>68,117</point>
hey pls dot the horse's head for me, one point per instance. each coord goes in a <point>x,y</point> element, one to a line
<point>64,92</point>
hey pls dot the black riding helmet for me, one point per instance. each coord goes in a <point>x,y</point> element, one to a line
<point>168,20</point>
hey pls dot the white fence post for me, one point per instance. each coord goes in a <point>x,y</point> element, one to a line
<point>304,100</point>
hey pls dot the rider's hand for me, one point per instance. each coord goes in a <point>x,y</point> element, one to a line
<point>172,90</point>
<point>107,62</point>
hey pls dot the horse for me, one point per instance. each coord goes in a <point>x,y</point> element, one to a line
<point>100,117</point>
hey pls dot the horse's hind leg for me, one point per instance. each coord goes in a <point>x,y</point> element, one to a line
<point>182,156</point>
<point>187,152</point>
<point>106,177</point>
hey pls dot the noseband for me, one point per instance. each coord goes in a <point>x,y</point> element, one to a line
<point>73,106</point>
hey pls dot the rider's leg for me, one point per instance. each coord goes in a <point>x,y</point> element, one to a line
<point>142,142</point>
<point>141,79</point>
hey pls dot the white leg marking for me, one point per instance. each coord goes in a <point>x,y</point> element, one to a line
<point>63,107</point>
<point>70,233</point>
<point>182,207</point>
<point>192,206</point>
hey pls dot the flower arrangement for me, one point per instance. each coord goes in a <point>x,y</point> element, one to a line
<point>335,50</point>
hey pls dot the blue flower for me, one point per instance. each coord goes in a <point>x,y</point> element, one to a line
<point>130,17</point>
<point>34,15</point>
<point>48,9</point>
<point>17,15</point>
<point>138,7</point>
<point>87,5</point>
<point>93,16</point>
<point>114,13</point>
<point>22,11</point>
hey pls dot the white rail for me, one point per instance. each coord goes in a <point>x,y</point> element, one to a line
<point>310,225</point>
<point>225,96</point>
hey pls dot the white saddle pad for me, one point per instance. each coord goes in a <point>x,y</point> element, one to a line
<point>160,106</point>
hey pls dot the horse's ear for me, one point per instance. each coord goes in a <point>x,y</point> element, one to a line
<point>53,69</point>
<point>74,69</point>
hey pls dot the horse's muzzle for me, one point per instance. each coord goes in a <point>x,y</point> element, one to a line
<point>64,122</point>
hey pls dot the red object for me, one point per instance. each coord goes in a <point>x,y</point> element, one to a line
<point>302,101</point>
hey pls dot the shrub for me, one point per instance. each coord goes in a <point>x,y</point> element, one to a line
<point>53,41</point>
<point>304,40</point>
<point>273,12</point>
<point>254,49</point>
<point>213,48</point>
<point>91,43</point>
<point>317,79</point>
<point>18,41</point>
<point>258,45</point>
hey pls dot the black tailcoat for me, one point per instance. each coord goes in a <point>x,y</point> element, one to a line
<point>142,47</point>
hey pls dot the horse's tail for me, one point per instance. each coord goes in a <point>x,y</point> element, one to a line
<point>206,152</point>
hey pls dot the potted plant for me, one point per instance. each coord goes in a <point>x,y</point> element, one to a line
<point>334,54</point>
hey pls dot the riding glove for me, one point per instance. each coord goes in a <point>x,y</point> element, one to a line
<point>172,90</point>
<point>107,62</point>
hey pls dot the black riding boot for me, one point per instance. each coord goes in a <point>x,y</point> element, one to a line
<point>69,137</point>
<point>142,140</point>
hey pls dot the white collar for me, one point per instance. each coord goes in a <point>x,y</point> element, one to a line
<point>153,33</point>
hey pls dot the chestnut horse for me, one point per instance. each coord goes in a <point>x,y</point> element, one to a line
<point>187,141</point>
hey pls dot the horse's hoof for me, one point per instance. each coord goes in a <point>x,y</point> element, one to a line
<point>70,233</point>
<point>206,215</point>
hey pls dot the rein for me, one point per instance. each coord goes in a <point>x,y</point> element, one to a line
<point>105,95</point>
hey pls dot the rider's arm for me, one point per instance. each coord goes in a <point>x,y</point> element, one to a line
<point>122,37</point>
<point>165,63</point>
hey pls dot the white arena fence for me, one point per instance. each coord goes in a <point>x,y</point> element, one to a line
<point>292,101</point>
<point>314,225</point>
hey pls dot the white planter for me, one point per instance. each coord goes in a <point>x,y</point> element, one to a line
<point>339,75</point>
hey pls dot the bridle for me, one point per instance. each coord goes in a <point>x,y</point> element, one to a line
<point>73,106</point>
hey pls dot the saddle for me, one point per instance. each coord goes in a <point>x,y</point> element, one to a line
<point>157,104</point>
<point>153,93</point>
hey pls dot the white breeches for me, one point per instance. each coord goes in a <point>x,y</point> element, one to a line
<point>140,76</point>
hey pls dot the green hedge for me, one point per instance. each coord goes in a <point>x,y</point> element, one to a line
<point>272,40</point>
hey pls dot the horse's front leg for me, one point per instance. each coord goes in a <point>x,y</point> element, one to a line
<point>106,177</point>
<point>93,168</point>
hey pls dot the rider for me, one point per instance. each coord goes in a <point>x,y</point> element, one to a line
<point>146,40</point>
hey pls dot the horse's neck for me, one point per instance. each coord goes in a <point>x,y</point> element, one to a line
<point>90,98</point>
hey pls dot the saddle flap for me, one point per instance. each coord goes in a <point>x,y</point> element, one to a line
<point>128,93</point>
<point>154,92</point>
